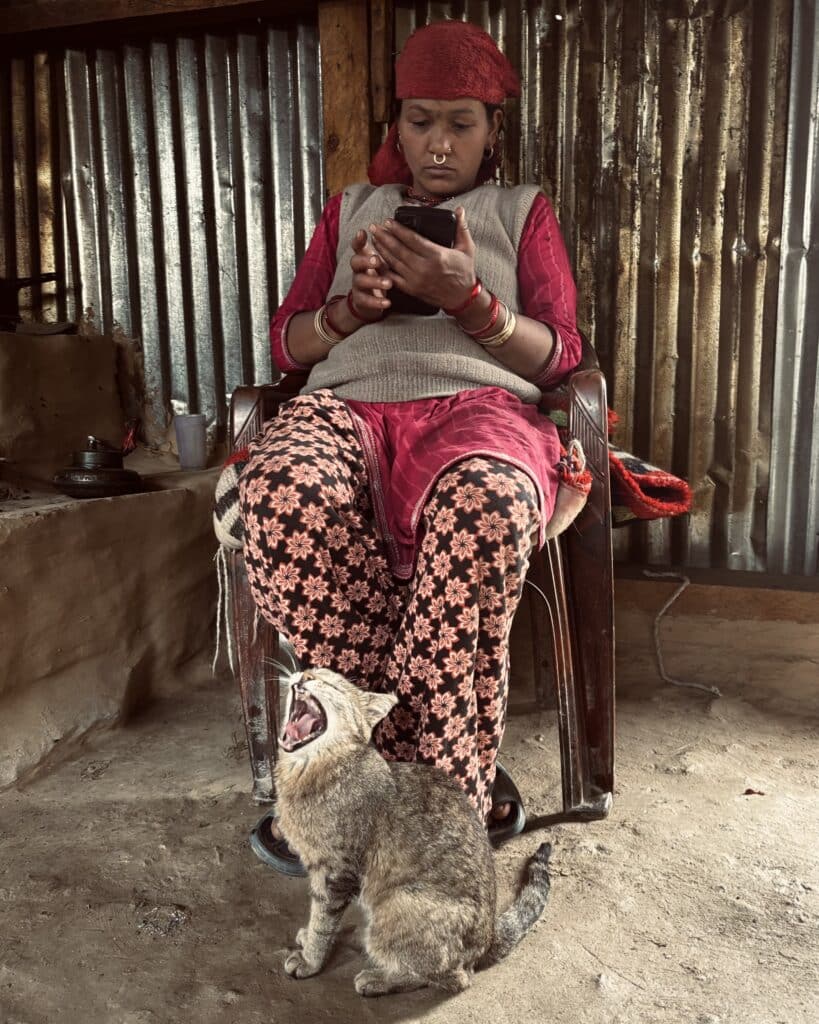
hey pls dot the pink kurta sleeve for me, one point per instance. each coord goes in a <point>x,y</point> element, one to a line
<point>547,290</point>
<point>310,285</point>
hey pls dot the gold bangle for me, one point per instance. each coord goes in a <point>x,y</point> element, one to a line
<point>490,339</point>
<point>504,334</point>
<point>322,331</point>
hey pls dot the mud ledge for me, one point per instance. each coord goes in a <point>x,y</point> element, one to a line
<point>104,604</point>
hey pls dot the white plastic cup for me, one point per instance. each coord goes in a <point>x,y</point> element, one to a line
<point>191,440</point>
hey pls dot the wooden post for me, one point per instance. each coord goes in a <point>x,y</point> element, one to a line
<point>345,69</point>
<point>381,59</point>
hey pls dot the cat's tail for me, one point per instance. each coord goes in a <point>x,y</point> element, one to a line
<point>518,920</point>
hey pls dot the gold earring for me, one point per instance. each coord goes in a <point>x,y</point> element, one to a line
<point>398,144</point>
<point>490,154</point>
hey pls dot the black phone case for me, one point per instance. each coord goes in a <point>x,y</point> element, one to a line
<point>438,226</point>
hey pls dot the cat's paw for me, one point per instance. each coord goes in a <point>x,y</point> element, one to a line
<point>297,967</point>
<point>371,983</point>
<point>301,938</point>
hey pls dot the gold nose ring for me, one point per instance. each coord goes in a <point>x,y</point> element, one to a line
<point>442,160</point>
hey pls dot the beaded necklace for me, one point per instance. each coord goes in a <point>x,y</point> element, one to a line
<point>425,200</point>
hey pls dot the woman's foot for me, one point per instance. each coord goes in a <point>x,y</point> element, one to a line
<point>507,817</point>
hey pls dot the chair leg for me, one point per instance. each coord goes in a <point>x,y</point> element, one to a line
<point>256,645</point>
<point>592,630</point>
<point>542,640</point>
<point>582,798</point>
<point>587,549</point>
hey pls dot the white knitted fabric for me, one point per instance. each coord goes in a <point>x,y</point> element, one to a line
<point>227,522</point>
<point>402,357</point>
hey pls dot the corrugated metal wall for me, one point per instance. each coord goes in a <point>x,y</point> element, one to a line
<point>658,127</point>
<point>191,177</point>
<point>793,509</point>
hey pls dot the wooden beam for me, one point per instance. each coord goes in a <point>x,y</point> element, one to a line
<point>381,58</point>
<point>345,69</point>
<point>36,15</point>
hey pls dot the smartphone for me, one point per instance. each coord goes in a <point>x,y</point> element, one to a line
<point>438,226</point>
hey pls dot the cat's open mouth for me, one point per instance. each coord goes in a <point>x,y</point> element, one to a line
<point>307,721</point>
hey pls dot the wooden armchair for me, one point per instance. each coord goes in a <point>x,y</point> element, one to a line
<point>574,572</point>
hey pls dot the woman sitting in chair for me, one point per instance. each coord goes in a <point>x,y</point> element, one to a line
<point>391,508</point>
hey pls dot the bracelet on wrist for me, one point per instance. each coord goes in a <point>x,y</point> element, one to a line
<point>334,301</point>
<point>477,288</point>
<point>321,330</point>
<point>358,316</point>
<point>494,310</point>
<point>354,311</point>
<point>503,335</point>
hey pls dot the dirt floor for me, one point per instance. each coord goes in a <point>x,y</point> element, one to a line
<point>129,894</point>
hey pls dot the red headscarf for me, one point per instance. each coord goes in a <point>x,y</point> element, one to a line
<point>447,60</point>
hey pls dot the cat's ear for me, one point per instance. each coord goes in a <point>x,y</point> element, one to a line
<point>378,706</point>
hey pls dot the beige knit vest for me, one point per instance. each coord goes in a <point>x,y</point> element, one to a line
<point>403,357</point>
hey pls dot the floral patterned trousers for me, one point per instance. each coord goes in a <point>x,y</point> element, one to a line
<point>319,575</point>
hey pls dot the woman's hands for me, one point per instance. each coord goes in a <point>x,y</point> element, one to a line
<point>399,256</point>
<point>368,292</point>
<point>442,277</point>
<point>370,282</point>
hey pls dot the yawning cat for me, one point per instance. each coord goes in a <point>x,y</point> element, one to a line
<point>402,838</point>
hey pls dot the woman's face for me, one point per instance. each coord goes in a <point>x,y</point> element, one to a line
<point>456,129</point>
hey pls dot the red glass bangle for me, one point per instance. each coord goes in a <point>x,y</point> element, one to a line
<point>336,330</point>
<point>357,315</point>
<point>354,311</point>
<point>477,288</point>
<point>494,312</point>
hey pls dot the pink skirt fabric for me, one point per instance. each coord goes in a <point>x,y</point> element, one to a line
<point>408,445</point>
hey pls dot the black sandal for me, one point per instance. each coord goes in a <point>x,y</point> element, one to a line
<point>274,852</point>
<point>505,791</point>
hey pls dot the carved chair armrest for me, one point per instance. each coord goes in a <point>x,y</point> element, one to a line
<point>588,423</point>
<point>252,406</point>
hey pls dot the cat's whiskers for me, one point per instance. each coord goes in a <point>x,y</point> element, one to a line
<point>284,672</point>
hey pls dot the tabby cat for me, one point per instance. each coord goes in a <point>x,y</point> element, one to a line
<point>402,838</point>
